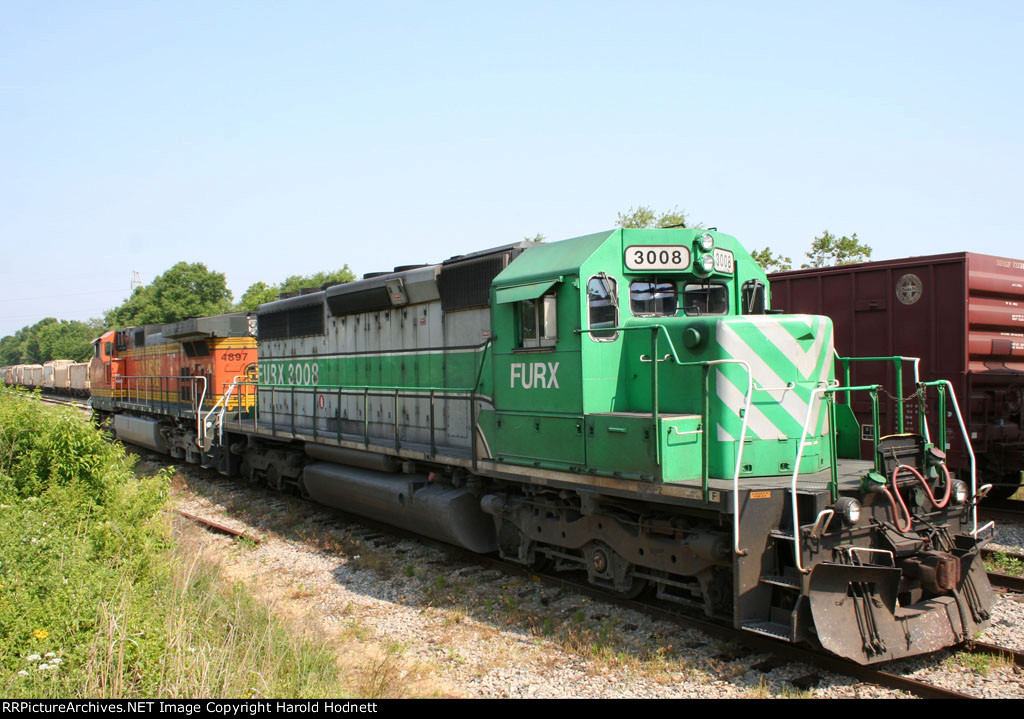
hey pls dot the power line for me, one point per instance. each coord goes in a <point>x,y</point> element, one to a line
<point>57,297</point>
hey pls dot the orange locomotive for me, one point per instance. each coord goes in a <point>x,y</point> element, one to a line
<point>159,385</point>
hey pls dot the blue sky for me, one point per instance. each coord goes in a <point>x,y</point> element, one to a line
<point>269,139</point>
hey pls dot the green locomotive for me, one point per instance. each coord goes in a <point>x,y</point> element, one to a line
<point>625,404</point>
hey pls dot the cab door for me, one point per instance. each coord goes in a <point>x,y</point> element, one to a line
<point>538,416</point>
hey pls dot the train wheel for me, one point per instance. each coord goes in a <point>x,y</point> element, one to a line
<point>638,587</point>
<point>542,562</point>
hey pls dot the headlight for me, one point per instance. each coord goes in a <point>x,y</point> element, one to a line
<point>849,509</point>
<point>707,242</point>
<point>707,262</point>
<point>959,491</point>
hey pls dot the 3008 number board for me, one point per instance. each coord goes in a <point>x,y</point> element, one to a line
<point>657,257</point>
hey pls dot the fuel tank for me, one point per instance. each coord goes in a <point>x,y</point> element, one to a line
<point>407,501</point>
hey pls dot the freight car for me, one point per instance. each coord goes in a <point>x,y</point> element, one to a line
<point>962,314</point>
<point>623,404</point>
<point>58,376</point>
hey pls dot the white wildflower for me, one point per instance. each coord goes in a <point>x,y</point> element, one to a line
<point>33,657</point>
<point>49,655</point>
<point>57,660</point>
<point>22,673</point>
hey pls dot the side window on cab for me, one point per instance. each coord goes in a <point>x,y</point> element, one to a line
<point>752,297</point>
<point>538,322</point>
<point>603,306</point>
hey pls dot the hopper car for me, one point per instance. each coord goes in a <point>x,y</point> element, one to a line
<point>626,405</point>
<point>57,376</point>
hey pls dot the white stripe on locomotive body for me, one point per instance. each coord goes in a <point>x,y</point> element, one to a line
<point>808,368</point>
<point>758,425</point>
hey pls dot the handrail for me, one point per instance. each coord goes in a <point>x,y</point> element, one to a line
<point>970,452</point>
<point>656,330</point>
<point>739,451</point>
<point>388,389</point>
<point>394,392</point>
<point>197,407</point>
<point>820,393</point>
<point>222,402</point>
<point>897,361</point>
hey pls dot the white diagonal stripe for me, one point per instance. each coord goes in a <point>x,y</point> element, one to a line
<point>764,374</point>
<point>757,424</point>
<point>805,360</point>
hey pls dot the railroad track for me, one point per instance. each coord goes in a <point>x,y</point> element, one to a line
<point>65,401</point>
<point>780,653</point>
<point>1007,510</point>
<point>1000,580</point>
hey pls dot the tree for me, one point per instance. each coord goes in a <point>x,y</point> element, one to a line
<point>301,282</point>
<point>829,250</point>
<point>50,339</point>
<point>770,262</point>
<point>256,295</point>
<point>68,340</point>
<point>260,292</point>
<point>31,353</point>
<point>10,350</point>
<point>184,291</point>
<point>644,217</point>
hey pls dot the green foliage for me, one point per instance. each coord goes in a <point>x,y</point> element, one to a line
<point>301,282</point>
<point>256,295</point>
<point>770,262</point>
<point>184,291</point>
<point>644,217</point>
<point>50,339</point>
<point>68,340</point>
<point>41,450</point>
<point>95,598</point>
<point>1005,563</point>
<point>828,250</point>
<point>260,292</point>
<point>539,237</point>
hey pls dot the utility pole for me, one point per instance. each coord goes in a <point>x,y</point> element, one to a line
<point>136,280</point>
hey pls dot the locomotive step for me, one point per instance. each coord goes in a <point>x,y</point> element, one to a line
<point>788,582</point>
<point>770,629</point>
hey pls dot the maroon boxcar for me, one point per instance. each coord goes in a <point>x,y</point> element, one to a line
<point>961,313</point>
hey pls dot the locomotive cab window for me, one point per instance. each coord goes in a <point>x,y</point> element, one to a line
<point>706,298</point>
<point>752,297</point>
<point>653,298</point>
<point>603,306</point>
<point>538,322</point>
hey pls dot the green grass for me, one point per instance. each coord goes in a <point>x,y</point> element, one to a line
<point>1004,563</point>
<point>96,600</point>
